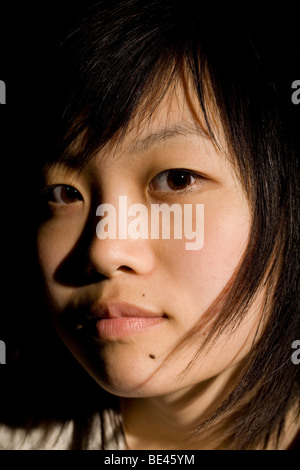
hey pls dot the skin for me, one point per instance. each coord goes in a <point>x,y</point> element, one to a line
<point>159,405</point>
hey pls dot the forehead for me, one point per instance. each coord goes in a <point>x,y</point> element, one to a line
<point>163,112</point>
<point>178,113</point>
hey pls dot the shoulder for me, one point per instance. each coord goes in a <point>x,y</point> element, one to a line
<point>71,435</point>
<point>53,436</point>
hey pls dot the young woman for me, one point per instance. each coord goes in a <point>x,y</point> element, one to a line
<point>185,339</point>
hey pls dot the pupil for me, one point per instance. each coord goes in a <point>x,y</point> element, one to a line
<point>177,180</point>
<point>69,194</point>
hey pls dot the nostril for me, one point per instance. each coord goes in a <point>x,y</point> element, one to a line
<point>125,269</point>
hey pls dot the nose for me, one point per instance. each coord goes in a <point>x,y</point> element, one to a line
<point>93,259</point>
<point>111,257</point>
<point>113,251</point>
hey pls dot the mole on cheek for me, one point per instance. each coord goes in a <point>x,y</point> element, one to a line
<point>152,356</point>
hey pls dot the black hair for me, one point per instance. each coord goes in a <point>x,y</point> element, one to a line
<point>117,64</point>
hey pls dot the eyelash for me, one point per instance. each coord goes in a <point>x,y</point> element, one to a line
<point>54,193</point>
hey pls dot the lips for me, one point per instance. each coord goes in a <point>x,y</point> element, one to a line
<point>120,319</point>
<point>121,309</point>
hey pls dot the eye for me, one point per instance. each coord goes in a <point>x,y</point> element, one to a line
<point>176,180</point>
<point>61,194</point>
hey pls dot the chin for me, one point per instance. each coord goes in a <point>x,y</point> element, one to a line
<point>121,378</point>
<point>124,384</point>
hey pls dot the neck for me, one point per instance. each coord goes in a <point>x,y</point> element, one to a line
<point>166,422</point>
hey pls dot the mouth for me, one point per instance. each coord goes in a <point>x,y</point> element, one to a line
<point>116,320</point>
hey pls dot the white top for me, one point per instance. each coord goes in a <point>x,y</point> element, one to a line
<point>59,436</point>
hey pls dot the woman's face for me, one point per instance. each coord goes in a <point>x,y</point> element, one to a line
<point>121,304</point>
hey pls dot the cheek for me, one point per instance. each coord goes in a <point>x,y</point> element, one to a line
<point>226,238</point>
<point>202,274</point>
<point>56,240</point>
<point>52,245</point>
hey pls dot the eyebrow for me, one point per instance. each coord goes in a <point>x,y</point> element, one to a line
<point>168,132</point>
<point>142,144</point>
